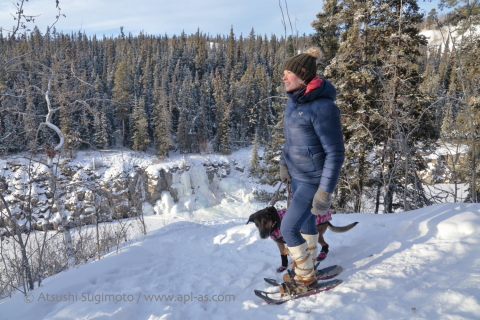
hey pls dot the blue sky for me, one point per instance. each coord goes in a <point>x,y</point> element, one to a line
<point>172,16</point>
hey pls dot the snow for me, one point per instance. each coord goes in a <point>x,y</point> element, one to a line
<point>421,264</point>
<point>448,149</point>
<point>439,37</point>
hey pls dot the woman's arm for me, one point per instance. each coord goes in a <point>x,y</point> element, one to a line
<point>329,130</point>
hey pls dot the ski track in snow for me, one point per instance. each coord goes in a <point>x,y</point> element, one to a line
<point>423,264</point>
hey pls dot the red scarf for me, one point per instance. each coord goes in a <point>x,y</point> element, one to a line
<point>313,84</point>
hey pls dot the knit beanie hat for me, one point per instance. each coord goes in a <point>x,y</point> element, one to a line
<point>304,65</point>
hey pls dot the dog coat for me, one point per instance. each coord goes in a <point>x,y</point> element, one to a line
<point>277,235</point>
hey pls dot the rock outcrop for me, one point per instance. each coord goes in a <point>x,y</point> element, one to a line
<point>93,190</point>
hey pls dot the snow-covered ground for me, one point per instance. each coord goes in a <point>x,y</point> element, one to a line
<point>423,264</point>
<point>205,264</point>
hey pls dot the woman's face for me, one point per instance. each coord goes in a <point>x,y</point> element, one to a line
<point>291,81</point>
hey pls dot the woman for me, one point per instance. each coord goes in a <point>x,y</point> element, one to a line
<point>312,158</point>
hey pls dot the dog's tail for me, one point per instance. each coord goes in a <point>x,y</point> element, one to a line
<point>341,229</point>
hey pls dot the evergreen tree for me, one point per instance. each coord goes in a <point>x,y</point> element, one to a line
<point>29,121</point>
<point>412,125</point>
<point>430,22</point>
<point>207,110</point>
<point>255,159</point>
<point>71,139</point>
<point>274,148</point>
<point>100,139</point>
<point>376,68</point>
<point>327,33</point>
<point>147,90</point>
<point>465,13</point>
<point>122,97</point>
<point>357,100</point>
<point>465,102</point>
<point>230,55</point>
<point>223,109</point>
<point>224,129</point>
<point>162,119</point>
<point>201,64</point>
<point>263,105</point>
<point>174,94</point>
<point>187,133</point>
<point>141,139</point>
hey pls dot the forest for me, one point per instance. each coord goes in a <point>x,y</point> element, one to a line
<point>400,97</point>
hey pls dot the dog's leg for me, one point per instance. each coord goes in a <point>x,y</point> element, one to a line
<point>281,247</point>
<point>321,228</point>
<point>284,257</point>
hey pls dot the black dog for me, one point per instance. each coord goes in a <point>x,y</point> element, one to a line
<point>268,222</point>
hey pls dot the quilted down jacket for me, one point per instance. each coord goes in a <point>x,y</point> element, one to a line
<point>314,150</point>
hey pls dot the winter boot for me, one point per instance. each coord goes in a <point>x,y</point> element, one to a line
<point>304,279</point>
<point>323,253</point>
<point>311,241</point>
<point>281,269</point>
<point>284,265</point>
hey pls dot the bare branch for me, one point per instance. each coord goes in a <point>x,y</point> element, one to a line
<point>18,57</point>
<point>82,81</point>
<point>49,117</point>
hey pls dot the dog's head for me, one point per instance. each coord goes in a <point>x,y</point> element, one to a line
<point>266,220</point>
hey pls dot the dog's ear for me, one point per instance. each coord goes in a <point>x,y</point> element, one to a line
<point>252,216</point>
<point>272,211</point>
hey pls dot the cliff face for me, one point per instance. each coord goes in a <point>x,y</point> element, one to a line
<point>103,187</point>
<point>447,165</point>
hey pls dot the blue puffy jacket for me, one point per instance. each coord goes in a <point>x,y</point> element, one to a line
<point>314,151</point>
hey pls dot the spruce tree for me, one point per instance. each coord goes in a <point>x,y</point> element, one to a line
<point>274,147</point>
<point>100,139</point>
<point>201,63</point>
<point>376,68</point>
<point>351,70</point>
<point>222,116</point>
<point>122,97</point>
<point>263,105</point>
<point>162,118</point>
<point>207,110</point>
<point>29,121</point>
<point>327,32</point>
<point>141,138</point>
<point>187,132</point>
<point>224,128</point>
<point>255,159</point>
<point>466,103</point>
<point>230,54</point>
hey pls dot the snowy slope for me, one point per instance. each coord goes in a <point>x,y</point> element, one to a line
<point>439,37</point>
<point>423,264</point>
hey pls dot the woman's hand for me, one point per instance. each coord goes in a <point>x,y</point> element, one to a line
<point>321,202</point>
<point>284,175</point>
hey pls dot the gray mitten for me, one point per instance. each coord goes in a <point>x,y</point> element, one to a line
<point>284,175</point>
<point>321,202</point>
